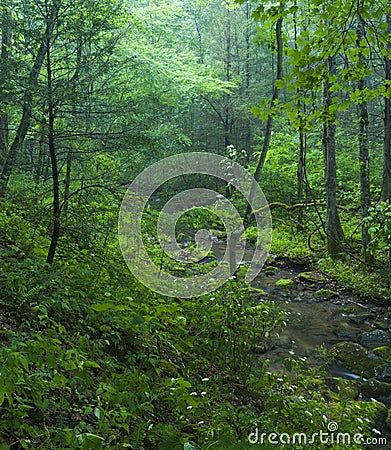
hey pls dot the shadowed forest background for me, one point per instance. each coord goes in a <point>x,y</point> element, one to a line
<point>92,93</point>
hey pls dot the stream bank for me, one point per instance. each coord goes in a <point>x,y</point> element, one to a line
<point>328,323</point>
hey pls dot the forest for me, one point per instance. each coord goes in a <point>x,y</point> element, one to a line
<point>259,122</point>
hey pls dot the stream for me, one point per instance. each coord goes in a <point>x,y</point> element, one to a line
<point>315,320</point>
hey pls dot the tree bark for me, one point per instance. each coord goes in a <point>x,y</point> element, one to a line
<point>6,42</point>
<point>53,159</point>
<point>386,189</point>
<point>227,117</point>
<point>333,226</point>
<point>69,159</point>
<point>28,100</point>
<point>302,143</point>
<point>365,187</point>
<point>300,177</point>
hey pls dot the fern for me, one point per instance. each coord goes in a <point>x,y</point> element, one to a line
<point>27,296</point>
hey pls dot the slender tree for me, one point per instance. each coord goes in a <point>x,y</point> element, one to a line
<point>386,188</point>
<point>333,225</point>
<point>363,120</point>
<point>24,124</point>
<point>53,156</point>
<point>6,37</point>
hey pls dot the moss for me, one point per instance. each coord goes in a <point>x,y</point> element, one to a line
<point>347,389</point>
<point>270,270</point>
<point>376,389</point>
<point>383,351</point>
<point>311,277</point>
<point>352,275</point>
<point>347,310</point>
<point>375,412</point>
<point>285,282</point>
<point>388,419</point>
<point>357,359</point>
<point>253,290</point>
<point>325,294</point>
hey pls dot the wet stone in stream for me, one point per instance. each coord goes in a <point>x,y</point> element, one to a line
<point>336,321</point>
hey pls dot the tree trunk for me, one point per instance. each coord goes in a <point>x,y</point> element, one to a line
<point>53,159</point>
<point>300,177</point>
<point>302,143</point>
<point>333,225</point>
<point>74,81</point>
<point>269,123</point>
<point>6,37</point>
<point>41,153</point>
<point>386,189</point>
<point>365,187</point>
<point>28,100</point>
<point>227,117</point>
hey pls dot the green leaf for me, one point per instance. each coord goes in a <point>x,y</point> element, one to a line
<point>101,307</point>
<point>2,393</point>
<point>138,320</point>
<point>188,446</point>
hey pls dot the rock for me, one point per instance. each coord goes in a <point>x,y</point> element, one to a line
<point>285,282</point>
<point>388,419</point>
<point>254,290</point>
<point>381,325</point>
<point>346,389</point>
<point>326,294</point>
<point>339,317</point>
<point>271,258</point>
<point>386,374</point>
<point>375,412</point>
<point>345,331</point>
<point>270,270</point>
<point>311,277</point>
<point>376,389</point>
<point>384,352</point>
<point>360,317</point>
<point>357,359</point>
<point>375,337</point>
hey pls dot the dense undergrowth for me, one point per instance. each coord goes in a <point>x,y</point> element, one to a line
<point>89,358</point>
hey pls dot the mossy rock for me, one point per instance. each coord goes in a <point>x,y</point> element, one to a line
<point>375,337</point>
<point>357,359</point>
<point>260,292</point>
<point>381,325</point>
<point>376,389</point>
<point>311,277</point>
<point>360,317</point>
<point>285,282</point>
<point>326,294</point>
<point>383,351</point>
<point>347,389</point>
<point>388,419</point>
<point>270,270</point>
<point>376,412</point>
<point>346,331</point>
<point>351,309</point>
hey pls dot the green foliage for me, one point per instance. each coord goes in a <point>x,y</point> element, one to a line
<point>278,178</point>
<point>379,227</point>
<point>89,358</point>
<point>353,275</point>
<point>294,246</point>
<point>92,360</point>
